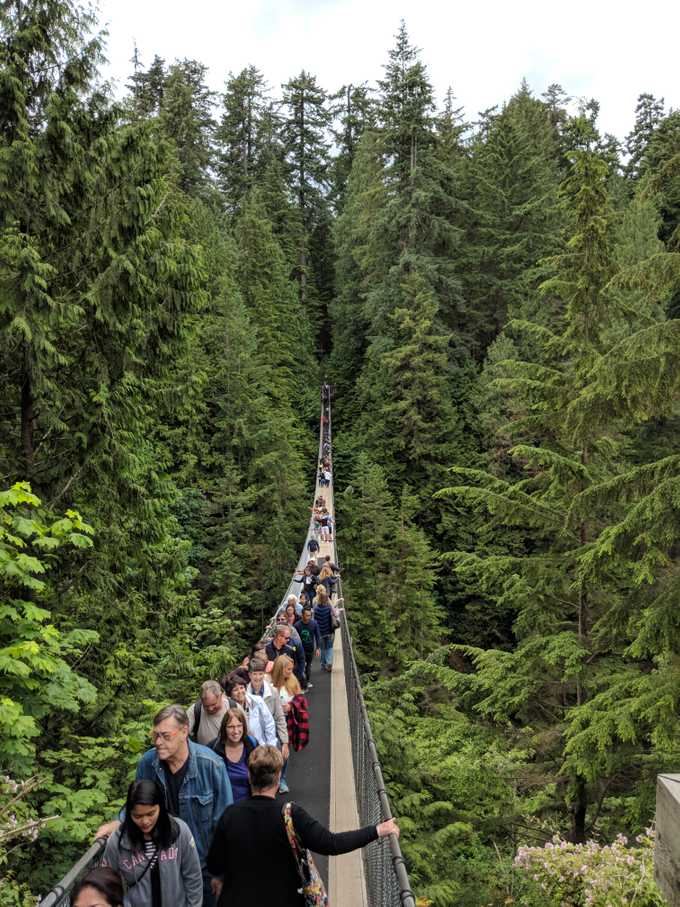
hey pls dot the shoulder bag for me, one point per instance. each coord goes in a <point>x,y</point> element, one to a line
<point>311,885</point>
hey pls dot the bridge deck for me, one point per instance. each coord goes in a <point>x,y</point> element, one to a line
<point>321,777</point>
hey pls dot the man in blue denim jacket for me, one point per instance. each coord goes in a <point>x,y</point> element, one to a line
<point>194,778</point>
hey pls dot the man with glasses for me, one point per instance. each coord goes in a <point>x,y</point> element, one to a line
<point>282,644</point>
<point>194,778</point>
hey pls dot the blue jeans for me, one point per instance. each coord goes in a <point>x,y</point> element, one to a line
<point>326,651</point>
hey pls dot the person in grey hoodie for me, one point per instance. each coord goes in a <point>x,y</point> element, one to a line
<point>154,852</point>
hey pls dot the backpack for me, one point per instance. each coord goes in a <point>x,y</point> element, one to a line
<point>198,709</point>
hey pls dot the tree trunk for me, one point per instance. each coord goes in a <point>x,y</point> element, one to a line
<point>27,418</point>
<point>578,813</point>
<point>303,277</point>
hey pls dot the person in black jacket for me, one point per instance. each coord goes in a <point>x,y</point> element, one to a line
<point>282,644</point>
<point>250,841</point>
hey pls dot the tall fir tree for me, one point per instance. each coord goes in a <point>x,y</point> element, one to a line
<point>353,109</point>
<point>511,184</point>
<point>304,136</point>
<point>555,658</point>
<point>240,136</point>
<point>648,114</point>
<point>186,114</point>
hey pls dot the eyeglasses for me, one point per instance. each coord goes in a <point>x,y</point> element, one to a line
<point>163,735</point>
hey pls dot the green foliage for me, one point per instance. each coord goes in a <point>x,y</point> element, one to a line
<point>36,678</point>
<point>390,572</point>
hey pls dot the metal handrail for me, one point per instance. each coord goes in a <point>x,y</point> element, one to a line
<point>63,889</point>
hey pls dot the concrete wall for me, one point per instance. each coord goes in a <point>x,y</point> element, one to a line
<point>667,846</point>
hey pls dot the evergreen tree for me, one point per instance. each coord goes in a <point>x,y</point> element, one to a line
<point>305,144</point>
<point>514,221</point>
<point>306,155</point>
<point>147,88</point>
<point>272,302</point>
<point>648,114</point>
<point>186,117</point>
<point>395,618</point>
<point>355,269</point>
<point>412,423</point>
<point>240,135</point>
<point>556,657</point>
<point>353,114</point>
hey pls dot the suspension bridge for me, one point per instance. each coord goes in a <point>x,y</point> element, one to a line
<point>337,777</point>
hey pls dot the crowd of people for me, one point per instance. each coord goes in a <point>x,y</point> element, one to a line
<point>201,820</point>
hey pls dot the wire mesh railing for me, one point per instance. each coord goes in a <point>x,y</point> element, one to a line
<point>387,881</point>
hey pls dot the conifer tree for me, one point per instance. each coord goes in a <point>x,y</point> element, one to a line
<point>649,112</point>
<point>186,116</point>
<point>390,573</point>
<point>412,424</point>
<point>147,88</point>
<point>514,221</point>
<point>306,154</point>
<point>240,135</point>
<point>556,657</point>
<point>272,302</point>
<point>353,111</point>
<point>356,267</point>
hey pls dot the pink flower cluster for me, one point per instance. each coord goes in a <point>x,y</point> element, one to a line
<point>591,874</point>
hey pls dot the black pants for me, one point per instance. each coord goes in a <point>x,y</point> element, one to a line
<point>309,658</point>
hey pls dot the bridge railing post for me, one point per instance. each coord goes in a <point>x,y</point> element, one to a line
<point>667,843</point>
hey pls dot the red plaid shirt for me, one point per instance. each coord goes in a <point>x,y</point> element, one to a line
<point>298,722</point>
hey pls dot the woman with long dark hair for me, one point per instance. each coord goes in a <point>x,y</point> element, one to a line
<point>154,852</point>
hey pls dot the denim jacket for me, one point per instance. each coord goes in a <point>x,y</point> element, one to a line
<point>204,795</point>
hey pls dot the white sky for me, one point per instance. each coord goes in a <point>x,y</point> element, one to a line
<point>612,50</point>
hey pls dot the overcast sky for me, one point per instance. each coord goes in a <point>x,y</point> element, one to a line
<point>612,51</point>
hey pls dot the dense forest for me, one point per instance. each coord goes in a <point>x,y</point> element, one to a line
<point>493,297</point>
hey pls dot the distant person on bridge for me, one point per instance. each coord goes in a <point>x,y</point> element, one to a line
<point>234,744</point>
<point>308,630</point>
<point>260,686</point>
<point>154,852</point>
<point>251,838</point>
<point>206,714</point>
<point>194,778</point>
<point>289,617</point>
<point>292,600</point>
<point>260,721</point>
<point>325,618</point>
<point>294,703</point>
<point>327,578</point>
<point>282,644</point>
<point>308,578</point>
<point>313,546</point>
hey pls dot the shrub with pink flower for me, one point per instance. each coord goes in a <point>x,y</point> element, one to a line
<point>591,874</point>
